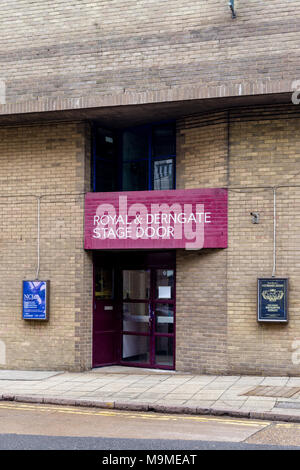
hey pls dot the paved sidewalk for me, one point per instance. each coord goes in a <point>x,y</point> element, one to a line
<point>149,390</point>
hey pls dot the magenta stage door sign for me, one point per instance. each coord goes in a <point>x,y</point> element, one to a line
<point>190,219</point>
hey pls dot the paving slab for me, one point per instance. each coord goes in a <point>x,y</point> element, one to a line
<point>227,378</point>
<point>290,411</point>
<point>26,375</point>
<point>293,381</point>
<point>210,395</point>
<point>138,389</point>
<point>288,404</point>
<point>276,381</point>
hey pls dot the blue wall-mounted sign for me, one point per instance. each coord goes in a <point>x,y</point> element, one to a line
<point>272,300</point>
<point>35,300</point>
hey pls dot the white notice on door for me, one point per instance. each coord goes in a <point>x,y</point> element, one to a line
<point>164,292</point>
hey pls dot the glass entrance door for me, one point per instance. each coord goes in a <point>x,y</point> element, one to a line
<point>136,316</point>
<point>163,305</point>
<point>148,309</point>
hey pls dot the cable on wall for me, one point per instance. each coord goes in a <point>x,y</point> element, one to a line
<point>236,189</point>
<point>274,232</point>
<point>38,236</point>
<point>38,199</point>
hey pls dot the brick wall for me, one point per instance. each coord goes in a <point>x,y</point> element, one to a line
<point>260,148</point>
<point>264,151</point>
<point>247,150</point>
<point>81,48</point>
<point>201,313</point>
<point>48,160</point>
<point>201,307</point>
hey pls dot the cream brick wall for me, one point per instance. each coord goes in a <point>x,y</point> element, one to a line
<point>49,161</point>
<point>201,313</point>
<point>201,284</point>
<point>80,48</point>
<point>216,327</point>
<point>263,150</point>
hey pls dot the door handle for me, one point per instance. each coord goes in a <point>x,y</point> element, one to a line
<point>151,317</point>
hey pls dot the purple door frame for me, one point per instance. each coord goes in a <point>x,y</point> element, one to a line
<point>133,260</point>
<point>105,327</point>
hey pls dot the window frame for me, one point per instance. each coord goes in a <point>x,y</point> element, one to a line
<point>151,158</point>
<point>121,162</point>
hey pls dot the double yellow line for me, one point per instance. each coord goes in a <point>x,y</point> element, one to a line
<point>137,415</point>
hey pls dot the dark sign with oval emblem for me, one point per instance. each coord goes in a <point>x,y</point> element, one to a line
<point>272,300</point>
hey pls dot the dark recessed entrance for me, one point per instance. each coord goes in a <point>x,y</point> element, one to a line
<point>134,309</point>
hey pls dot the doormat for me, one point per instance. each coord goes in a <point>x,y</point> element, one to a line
<point>273,391</point>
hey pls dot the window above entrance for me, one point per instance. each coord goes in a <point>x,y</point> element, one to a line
<point>135,159</point>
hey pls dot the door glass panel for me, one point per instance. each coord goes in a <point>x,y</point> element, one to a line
<point>105,176</point>
<point>136,349</point>
<point>148,317</point>
<point>136,284</point>
<point>135,144</point>
<point>163,174</point>
<point>136,317</point>
<point>164,318</point>
<point>164,350</point>
<point>165,284</point>
<point>105,180</point>
<point>105,144</point>
<point>103,283</point>
<point>164,140</point>
<point>135,176</point>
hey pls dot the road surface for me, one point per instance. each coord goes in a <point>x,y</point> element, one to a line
<point>25,426</point>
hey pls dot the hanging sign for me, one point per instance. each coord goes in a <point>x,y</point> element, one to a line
<point>190,219</point>
<point>273,300</point>
<point>36,300</point>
